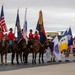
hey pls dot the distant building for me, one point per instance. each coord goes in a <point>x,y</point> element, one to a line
<point>53,34</point>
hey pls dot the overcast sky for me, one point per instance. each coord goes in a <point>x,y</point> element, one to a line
<point>58,15</point>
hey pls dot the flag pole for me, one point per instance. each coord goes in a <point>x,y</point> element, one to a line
<point>15,25</point>
<point>15,30</point>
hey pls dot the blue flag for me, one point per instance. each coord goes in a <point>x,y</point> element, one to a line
<point>40,28</point>
<point>70,37</point>
<point>68,33</point>
<point>19,35</point>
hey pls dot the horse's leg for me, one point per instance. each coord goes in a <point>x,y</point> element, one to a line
<point>6,58</point>
<point>17,58</point>
<point>12,58</point>
<point>26,58</point>
<point>21,56</point>
<point>1,58</point>
<point>39,57</point>
<point>33,58</point>
<point>42,57</point>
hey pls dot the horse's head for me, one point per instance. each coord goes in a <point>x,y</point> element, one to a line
<point>51,45</point>
<point>30,43</point>
<point>22,43</point>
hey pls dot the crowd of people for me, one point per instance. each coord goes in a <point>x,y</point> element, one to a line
<point>50,55</point>
<point>11,36</point>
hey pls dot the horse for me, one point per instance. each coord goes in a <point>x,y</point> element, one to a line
<point>39,48</point>
<point>15,51</point>
<point>35,47</point>
<point>3,49</point>
<point>41,52</point>
<point>30,49</point>
<point>23,50</point>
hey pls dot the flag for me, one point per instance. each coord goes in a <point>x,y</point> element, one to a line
<point>25,25</point>
<point>74,42</point>
<point>63,43</point>
<point>70,37</point>
<point>68,33</point>
<point>40,28</point>
<point>56,48</point>
<point>19,35</point>
<point>2,21</point>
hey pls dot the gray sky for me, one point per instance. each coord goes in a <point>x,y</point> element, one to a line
<point>57,14</point>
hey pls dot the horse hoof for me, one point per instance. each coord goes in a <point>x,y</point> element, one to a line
<point>17,63</point>
<point>12,63</point>
<point>25,62</point>
<point>39,62</point>
<point>54,61</point>
<point>43,62</point>
<point>6,64</point>
<point>2,63</point>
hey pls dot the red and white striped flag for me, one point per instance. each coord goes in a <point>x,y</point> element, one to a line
<point>2,21</point>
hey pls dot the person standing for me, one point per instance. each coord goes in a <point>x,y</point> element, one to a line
<point>67,53</point>
<point>48,53</point>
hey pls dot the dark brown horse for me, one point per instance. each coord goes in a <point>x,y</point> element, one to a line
<point>23,50</point>
<point>30,48</point>
<point>15,51</point>
<point>42,48</point>
<point>19,49</point>
<point>3,50</point>
<point>36,47</point>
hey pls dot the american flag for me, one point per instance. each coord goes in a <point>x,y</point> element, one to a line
<point>2,21</point>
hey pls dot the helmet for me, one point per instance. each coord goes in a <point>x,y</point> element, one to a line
<point>10,29</point>
<point>36,31</point>
<point>31,30</point>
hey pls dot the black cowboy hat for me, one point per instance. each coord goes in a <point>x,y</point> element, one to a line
<point>31,30</point>
<point>10,29</point>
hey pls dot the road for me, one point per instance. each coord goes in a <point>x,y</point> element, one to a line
<point>56,68</point>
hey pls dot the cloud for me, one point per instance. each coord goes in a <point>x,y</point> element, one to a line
<point>57,14</point>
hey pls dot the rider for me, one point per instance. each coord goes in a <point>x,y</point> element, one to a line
<point>30,34</point>
<point>36,36</point>
<point>30,38</point>
<point>11,37</point>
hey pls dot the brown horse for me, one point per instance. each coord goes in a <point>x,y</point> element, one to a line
<point>23,50</point>
<point>15,51</point>
<point>42,48</point>
<point>38,48</point>
<point>3,50</point>
<point>30,49</point>
<point>19,49</point>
